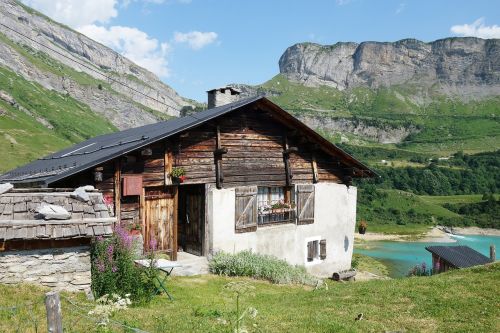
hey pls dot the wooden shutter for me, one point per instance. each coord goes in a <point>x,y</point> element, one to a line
<point>246,209</point>
<point>305,204</point>
<point>322,249</point>
<point>310,251</point>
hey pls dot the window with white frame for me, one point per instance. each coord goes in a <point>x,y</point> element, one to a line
<point>275,205</point>
<point>316,250</point>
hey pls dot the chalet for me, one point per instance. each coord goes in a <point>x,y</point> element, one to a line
<point>445,258</point>
<point>243,174</point>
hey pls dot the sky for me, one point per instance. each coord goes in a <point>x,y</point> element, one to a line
<point>197,45</point>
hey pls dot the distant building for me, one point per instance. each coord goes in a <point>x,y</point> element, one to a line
<point>449,257</point>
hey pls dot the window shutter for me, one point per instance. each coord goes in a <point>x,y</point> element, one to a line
<point>322,249</point>
<point>246,209</point>
<point>310,251</point>
<point>305,204</point>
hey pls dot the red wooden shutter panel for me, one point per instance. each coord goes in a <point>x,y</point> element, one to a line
<point>246,209</point>
<point>305,204</point>
<point>132,185</point>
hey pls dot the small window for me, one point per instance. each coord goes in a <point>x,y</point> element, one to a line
<point>275,205</point>
<point>316,250</point>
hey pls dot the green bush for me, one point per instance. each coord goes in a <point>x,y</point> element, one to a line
<point>260,266</point>
<point>114,271</point>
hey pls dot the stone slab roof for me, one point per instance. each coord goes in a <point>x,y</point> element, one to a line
<point>19,220</point>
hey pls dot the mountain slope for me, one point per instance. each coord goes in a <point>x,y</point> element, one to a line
<point>77,88</point>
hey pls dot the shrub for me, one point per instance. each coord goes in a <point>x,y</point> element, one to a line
<point>420,270</point>
<point>260,266</point>
<point>114,271</point>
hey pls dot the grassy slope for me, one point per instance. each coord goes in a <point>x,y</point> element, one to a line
<point>458,301</point>
<point>72,121</point>
<point>446,125</point>
<point>403,208</point>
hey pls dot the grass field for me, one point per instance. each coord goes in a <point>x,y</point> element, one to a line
<point>457,301</point>
<point>411,229</point>
<point>368,264</point>
<point>452,199</point>
<point>400,212</point>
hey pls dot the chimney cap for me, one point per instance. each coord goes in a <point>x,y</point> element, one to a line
<point>234,91</point>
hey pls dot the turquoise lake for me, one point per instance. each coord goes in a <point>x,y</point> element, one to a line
<point>401,256</point>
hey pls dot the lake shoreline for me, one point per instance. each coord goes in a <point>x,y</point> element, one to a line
<point>435,235</point>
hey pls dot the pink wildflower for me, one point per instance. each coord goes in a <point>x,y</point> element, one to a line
<point>152,244</point>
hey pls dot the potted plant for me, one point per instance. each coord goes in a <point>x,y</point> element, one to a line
<point>362,227</point>
<point>178,174</point>
<point>135,229</point>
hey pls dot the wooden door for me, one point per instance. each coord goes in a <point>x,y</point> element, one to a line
<point>159,210</point>
<point>192,218</point>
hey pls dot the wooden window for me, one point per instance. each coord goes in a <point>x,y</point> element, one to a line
<point>246,209</point>
<point>305,204</point>
<point>275,205</point>
<point>312,250</point>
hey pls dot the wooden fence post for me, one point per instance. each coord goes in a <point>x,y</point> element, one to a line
<point>54,313</point>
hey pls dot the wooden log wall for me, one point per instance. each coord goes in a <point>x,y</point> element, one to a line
<point>255,146</point>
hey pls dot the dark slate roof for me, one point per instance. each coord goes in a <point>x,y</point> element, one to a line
<point>100,149</point>
<point>459,256</point>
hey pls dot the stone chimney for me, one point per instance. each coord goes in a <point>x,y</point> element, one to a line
<point>222,96</point>
<point>493,255</point>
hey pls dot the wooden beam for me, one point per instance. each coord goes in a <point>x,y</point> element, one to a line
<point>118,189</point>
<point>290,150</point>
<point>173,256</point>
<point>168,165</point>
<point>142,212</point>
<point>314,169</point>
<point>286,159</point>
<point>219,151</point>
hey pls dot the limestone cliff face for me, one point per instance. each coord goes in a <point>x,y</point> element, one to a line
<point>372,132</point>
<point>462,66</point>
<point>124,107</point>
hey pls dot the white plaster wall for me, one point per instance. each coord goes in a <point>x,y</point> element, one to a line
<point>334,220</point>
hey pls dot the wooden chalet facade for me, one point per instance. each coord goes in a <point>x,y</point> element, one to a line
<point>248,161</point>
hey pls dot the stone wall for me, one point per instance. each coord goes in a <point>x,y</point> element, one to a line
<point>58,268</point>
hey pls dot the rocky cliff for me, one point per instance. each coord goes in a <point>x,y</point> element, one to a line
<point>103,79</point>
<point>460,66</point>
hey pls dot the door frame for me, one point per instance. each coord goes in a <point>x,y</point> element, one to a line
<point>167,190</point>
<point>182,190</point>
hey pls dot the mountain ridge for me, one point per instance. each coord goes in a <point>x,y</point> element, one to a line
<point>462,66</point>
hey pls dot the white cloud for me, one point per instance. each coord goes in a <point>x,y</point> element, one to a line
<point>195,39</point>
<point>76,13</point>
<point>477,29</point>
<point>400,8</point>
<point>133,44</point>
